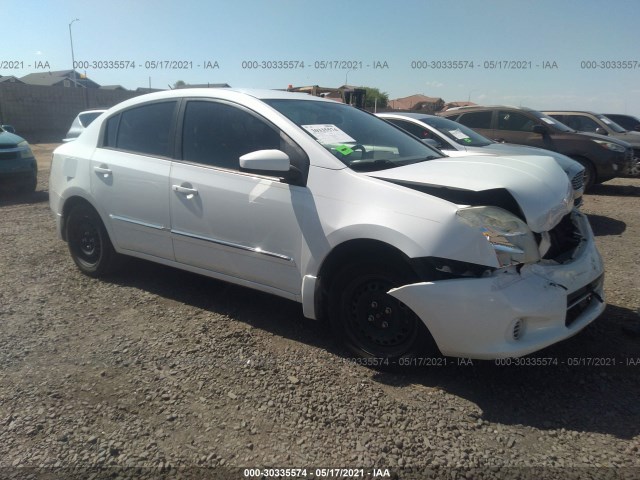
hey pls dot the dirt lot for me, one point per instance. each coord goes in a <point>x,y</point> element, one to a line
<point>156,372</point>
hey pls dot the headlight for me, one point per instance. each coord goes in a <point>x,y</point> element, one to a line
<point>614,147</point>
<point>509,236</point>
<point>25,150</point>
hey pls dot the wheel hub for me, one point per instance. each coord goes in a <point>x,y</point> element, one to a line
<point>377,318</point>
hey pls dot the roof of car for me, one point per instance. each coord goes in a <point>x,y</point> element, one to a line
<point>483,107</point>
<point>415,115</point>
<point>570,111</point>
<point>221,93</point>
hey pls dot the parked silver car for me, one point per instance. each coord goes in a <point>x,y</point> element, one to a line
<point>82,121</point>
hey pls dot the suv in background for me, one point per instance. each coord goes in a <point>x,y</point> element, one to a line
<point>628,122</point>
<point>603,158</point>
<point>602,125</point>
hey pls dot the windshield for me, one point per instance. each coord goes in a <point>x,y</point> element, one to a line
<point>457,132</point>
<point>552,122</point>
<point>360,140</point>
<point>611,124</point>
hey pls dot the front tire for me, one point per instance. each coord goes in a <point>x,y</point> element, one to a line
<point>89,242</point>
<point>371,323</point>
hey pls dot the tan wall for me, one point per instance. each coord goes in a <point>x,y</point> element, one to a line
<point>44,114</point>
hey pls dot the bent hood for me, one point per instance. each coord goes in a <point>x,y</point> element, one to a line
<point>537,184</point>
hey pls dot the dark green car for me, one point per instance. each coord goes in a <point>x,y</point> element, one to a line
<point>18,167</point>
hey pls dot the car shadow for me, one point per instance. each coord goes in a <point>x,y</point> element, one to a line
<point>277,315</point>
<point>585,382</point>
<point>603,226</point>
<point>615,190</point>
<point>17,198</point>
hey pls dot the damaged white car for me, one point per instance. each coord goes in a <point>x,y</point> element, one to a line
<point>401,249</point>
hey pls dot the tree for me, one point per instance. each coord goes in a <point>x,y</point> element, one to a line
<point>376,98</point>
<point>179,84</point>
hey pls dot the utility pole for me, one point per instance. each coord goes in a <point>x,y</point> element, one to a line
<point>73,58</point>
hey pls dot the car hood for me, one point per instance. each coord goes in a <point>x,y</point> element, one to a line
<point>607,138</point>
<point>536,184</point>
<point>571,167</point>
<point>7,138</point>
<point>632,138</point>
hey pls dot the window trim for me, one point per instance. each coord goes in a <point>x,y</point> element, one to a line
<point>177,152</point>
<point>119,113</point>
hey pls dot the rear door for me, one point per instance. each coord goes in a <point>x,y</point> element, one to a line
<point>130,177</point>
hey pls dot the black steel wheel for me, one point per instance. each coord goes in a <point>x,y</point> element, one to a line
<point>371,323</point>
<point>89,242</point>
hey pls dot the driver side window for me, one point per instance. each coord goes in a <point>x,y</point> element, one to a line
<point>515,121</point>
<point>218,134</point>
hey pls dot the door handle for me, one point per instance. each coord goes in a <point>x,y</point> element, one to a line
<point>103,170</point>
<point>188,192</point>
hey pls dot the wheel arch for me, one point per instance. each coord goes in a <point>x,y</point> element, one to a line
<point>354,251</point>
<point>68,205</point>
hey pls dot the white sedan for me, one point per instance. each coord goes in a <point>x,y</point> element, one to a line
<point>402,249</point>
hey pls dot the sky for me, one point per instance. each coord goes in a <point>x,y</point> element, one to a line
<point>543,54</point>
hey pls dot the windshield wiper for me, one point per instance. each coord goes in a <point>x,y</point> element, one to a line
<point>373,165</point>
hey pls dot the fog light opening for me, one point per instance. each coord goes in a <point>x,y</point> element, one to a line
<point>518,329</point>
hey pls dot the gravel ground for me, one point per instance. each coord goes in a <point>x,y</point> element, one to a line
<point>156,372</point>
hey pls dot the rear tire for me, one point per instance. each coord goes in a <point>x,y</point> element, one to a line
<point>372,324</point>
<point>89,242</point>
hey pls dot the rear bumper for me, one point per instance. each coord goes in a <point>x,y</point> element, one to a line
<point>510,313</point>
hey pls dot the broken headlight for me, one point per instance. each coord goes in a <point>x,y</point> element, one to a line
<point>510,237</point>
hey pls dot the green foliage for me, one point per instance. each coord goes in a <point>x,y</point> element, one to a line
<point>376,98</point>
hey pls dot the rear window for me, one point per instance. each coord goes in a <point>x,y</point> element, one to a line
<point>146,129</point>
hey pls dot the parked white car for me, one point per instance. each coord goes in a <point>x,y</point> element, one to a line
<point>325,204</point>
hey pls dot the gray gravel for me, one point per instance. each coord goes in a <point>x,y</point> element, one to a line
<point>171,374</point>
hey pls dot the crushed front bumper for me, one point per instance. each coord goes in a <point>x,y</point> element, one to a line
<point>511,313</point>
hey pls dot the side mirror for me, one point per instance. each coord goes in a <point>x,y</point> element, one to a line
<point>8,128</point>
<point>265,161</point>
<point>541,129</point>
<point>601,131</point>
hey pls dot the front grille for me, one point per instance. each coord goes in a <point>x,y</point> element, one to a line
<point>580,300</point>
<point>578,180</point>
<point>9,155</point>
<point>564,238</point>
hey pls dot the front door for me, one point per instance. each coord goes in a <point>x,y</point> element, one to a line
<point>242,226</point>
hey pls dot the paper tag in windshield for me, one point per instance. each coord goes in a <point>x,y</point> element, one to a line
<point>328,134</point>
<point>548,120</point>
<point>458,134</point>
